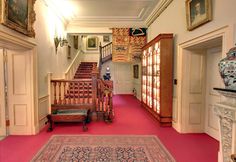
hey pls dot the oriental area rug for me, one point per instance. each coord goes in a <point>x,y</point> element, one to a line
<point>93,148</point>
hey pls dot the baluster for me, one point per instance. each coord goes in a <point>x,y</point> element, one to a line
<point>69,93</point>
<point>73,100</point>
<point>102,101</point>
<point>106,102</point>
<point>59,89</point>
<point>83,91</point>
<point>105,51</point>
<point>64,99</point>
<point>79,92</point>
<point>111,49</point>
<point>55,95</point>
<point>88,91</point>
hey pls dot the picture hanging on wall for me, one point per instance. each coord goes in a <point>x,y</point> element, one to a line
<point>106,38</point>
<point>198,12</point>
<point>92,43</point>
<point>18,15</point>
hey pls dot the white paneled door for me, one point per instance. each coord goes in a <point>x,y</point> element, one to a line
<point>194,92</point>
<point>123,78</point>
<point>212,97</point>
<point>19,92</point>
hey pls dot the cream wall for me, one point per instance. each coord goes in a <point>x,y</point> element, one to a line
<point>173,20</point>
<point>92,55</point>
<point>47,25</point>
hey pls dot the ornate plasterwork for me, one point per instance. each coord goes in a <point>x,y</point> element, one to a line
<point>227,117</point>
<point>226,111</point>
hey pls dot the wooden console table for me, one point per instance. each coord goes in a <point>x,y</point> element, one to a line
<point>69,115</point>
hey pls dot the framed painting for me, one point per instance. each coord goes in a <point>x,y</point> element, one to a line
<point>18,15</point>
<point>198,12</point>
<point>106,38</point>
<point>136,71</point>
<point>92,43</point>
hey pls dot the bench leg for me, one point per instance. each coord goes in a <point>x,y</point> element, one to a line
<point>49,117</point>
<point>84,126</point>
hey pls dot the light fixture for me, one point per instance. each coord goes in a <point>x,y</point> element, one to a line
<point>61,41</point>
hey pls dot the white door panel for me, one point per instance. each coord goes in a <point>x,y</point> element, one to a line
<point>193,86</point>
<point>19,92</point>
<point>123,78</point>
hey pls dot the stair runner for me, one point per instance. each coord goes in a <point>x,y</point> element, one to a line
<point>81,92</point>
<point>84,70</point>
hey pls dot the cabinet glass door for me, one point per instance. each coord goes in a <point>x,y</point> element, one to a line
<point>156,77</point>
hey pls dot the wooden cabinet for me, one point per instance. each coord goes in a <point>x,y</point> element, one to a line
<point>157,78</point>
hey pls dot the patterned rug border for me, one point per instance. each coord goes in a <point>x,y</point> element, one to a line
<point>89,135</point>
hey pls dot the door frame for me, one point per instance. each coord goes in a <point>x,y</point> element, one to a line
<point>226,33</point>
<point>13,41</point>
<point>3,131</point>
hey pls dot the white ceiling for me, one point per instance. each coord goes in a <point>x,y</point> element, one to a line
<point>109,13</point>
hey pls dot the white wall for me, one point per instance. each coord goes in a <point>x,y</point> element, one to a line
<point>173,20</point>
<point>47,25</point>
<point>92,55</point>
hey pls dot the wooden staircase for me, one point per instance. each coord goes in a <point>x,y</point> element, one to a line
<point>85,91</point>
<point>84,70</point>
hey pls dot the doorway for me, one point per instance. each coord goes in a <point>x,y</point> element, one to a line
<point>198,75</point>
<point>18,95</point>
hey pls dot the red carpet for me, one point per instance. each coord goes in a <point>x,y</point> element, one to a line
<point>130,119</point>
<point>107,148</point>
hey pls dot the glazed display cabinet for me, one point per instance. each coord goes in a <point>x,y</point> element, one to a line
<point>157,78</point>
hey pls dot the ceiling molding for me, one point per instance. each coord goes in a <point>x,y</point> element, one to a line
<point>160,7</point>
<point>108,24</point>
<point>139,17</point>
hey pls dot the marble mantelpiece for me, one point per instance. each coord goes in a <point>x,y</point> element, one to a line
<point>226,112</point>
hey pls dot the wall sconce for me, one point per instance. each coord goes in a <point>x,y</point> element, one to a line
<point>62,42</point>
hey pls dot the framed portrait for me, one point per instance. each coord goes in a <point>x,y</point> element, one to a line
<point>136,71</point>
<point>18,15</point>
<point>106,38</point>
<point>76,43</point>
<point>92,43</point>
<point>198,12</point>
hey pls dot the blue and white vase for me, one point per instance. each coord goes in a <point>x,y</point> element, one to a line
<point>227,68</point>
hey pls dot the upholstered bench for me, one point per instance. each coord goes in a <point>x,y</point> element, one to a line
<point>68,115</point>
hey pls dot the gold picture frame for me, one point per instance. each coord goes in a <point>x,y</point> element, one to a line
<point>92,43</point>
<point>198,12</point>
<point>18,15</point>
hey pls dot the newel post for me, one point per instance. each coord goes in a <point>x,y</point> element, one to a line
<point>94,85</point>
